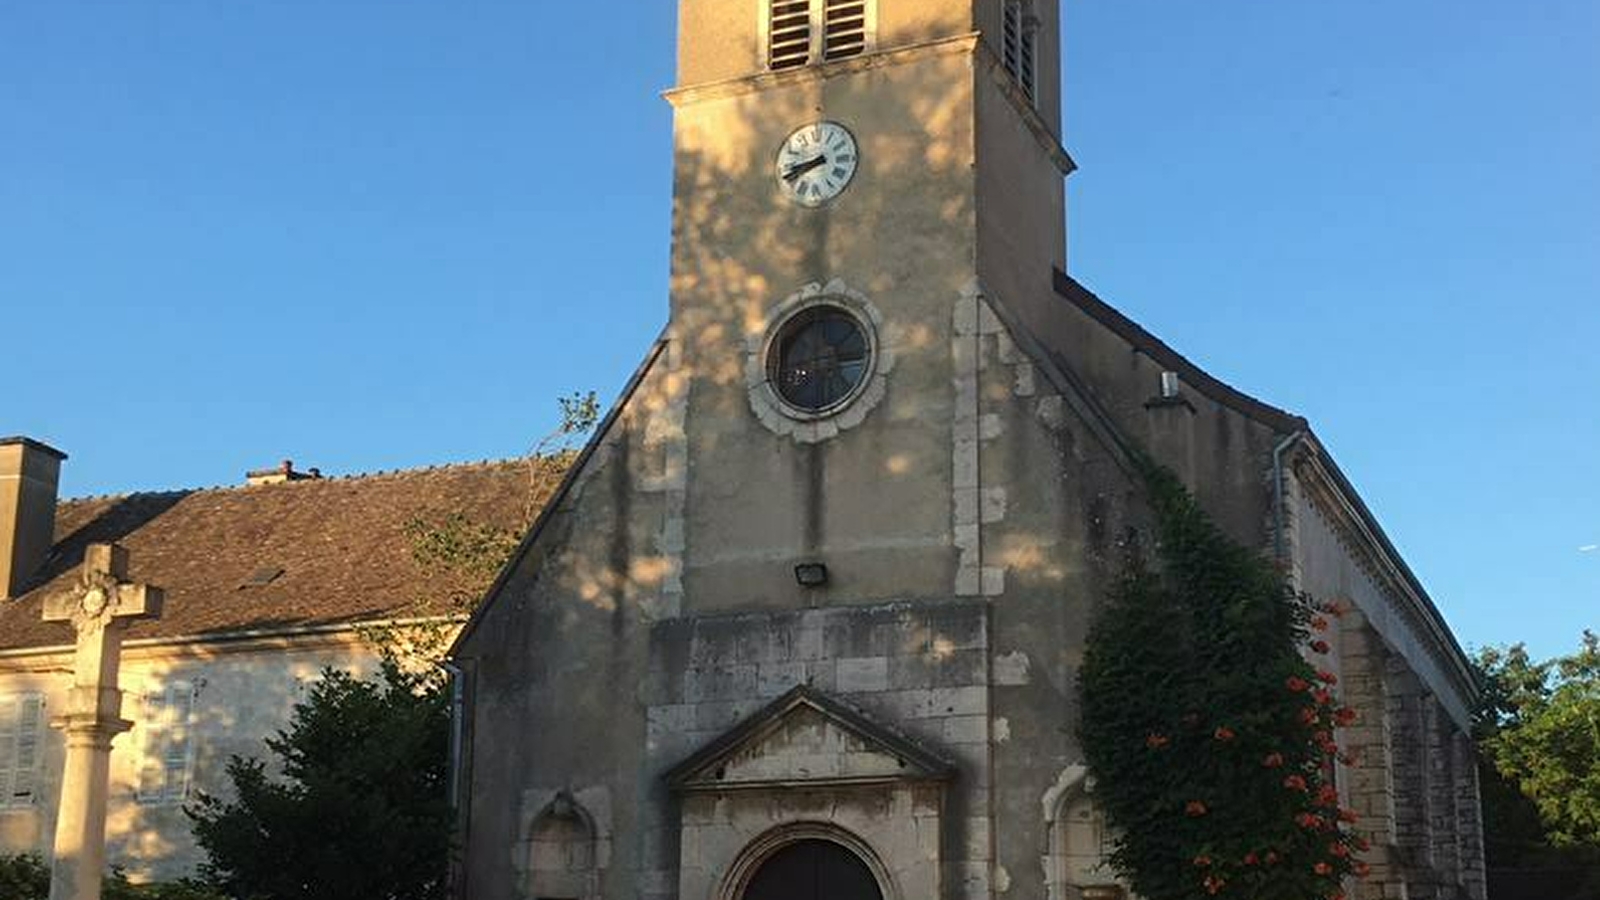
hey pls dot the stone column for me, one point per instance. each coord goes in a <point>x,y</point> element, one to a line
<point>1469,819</point>
<point>100,609</point>
<point>1368,778</point>
<point>1442,773</point>
<point>1404,707</point>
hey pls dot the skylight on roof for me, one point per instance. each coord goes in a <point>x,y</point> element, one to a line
<point>262,577</point>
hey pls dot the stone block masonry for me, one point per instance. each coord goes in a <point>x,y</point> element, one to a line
<point>921,667</point>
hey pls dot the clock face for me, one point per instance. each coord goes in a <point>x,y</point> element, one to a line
<point>817,162</point>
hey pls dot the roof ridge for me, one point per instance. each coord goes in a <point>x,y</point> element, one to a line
<point>375,475</point>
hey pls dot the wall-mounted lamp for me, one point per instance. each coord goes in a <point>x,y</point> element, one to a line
<point>811,574</point>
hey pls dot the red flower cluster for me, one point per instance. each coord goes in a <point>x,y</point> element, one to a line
<point>1224,733</point>
<point>1327,678</point>
<point>1296,684</point>
<point>1203,862</point>
<point>1273,761</point>
<point>1214,885</point>
<point>1195,809</point>
<point>1311,821</point>
<point>1295,783</point>
<point>1320,646</point>
<point>1344,717</point>
<point>1157,741</point>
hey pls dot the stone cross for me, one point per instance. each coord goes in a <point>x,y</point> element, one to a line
<point>100,609</point>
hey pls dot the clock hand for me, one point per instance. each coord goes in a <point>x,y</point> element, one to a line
<point>799,169</point>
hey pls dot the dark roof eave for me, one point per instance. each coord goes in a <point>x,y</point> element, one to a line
<point>32,444</point>
<point>1285,423</point>
<point>1142,340</point>
<point>1426,608</point>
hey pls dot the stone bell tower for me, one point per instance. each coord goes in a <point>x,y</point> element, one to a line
<point>761,634</point>
<point>872,164</point>
<point>955,106</point>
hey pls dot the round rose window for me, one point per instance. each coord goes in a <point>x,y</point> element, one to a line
<point>819,359</point>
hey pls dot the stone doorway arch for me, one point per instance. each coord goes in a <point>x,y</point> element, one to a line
<point>808,861</point>
<point>813,870</point>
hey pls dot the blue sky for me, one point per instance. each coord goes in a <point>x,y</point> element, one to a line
<point>373,234</point>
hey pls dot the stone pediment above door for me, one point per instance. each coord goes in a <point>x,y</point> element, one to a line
<point>806,738</point>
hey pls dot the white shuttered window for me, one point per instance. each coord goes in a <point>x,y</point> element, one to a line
<point>789,34</point>
<point>844,28</point>
<point>21,725</point>
<point>802,32</point>
<point>168,743</point>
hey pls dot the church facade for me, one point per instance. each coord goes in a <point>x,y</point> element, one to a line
<point>805,618</point>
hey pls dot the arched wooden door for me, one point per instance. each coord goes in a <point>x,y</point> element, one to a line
<point>813,870</point>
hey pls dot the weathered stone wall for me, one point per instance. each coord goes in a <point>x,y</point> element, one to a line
<point>924,667</point>
<point>1412,777</point>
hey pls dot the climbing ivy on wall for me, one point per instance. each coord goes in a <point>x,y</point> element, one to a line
<point>1207,730</point>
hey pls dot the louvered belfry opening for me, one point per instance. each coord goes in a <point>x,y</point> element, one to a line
<point>789,34</point>
<point>844,28</point>
<point>801,32</point>
<point>1018,50</point>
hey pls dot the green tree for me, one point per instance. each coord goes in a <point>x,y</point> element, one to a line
<point>1209,735</point>
<point>26,877</point>
<point>465,555</point>
<point>360,811</point>
<point>1540,727</point>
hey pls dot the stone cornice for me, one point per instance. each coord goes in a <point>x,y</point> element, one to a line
<point>1327,489</point>
<point>211,646</point>
<point>970,43</point>
<point>761,81</point>
<point>1024,107</point>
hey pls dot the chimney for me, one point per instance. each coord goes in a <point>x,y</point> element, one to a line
<point>284,471</point>
<point>30,472</point>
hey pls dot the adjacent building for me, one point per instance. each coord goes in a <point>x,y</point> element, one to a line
<point>267,584</point>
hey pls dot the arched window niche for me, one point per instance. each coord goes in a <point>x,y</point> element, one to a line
<point>559,852</point>
<point>1078,861</point>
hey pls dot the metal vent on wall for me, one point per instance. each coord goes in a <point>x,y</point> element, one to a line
<point>789,34</point>
<point>844,28</point>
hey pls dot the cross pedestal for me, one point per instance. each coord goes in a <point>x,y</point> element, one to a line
<point>100,608</point>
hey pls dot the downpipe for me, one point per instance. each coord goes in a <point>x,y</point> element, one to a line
<point>1278,511</point>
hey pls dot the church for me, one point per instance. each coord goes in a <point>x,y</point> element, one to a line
<point>804,620</point>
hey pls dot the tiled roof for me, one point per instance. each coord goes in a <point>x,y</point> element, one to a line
<point>342,545</point>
